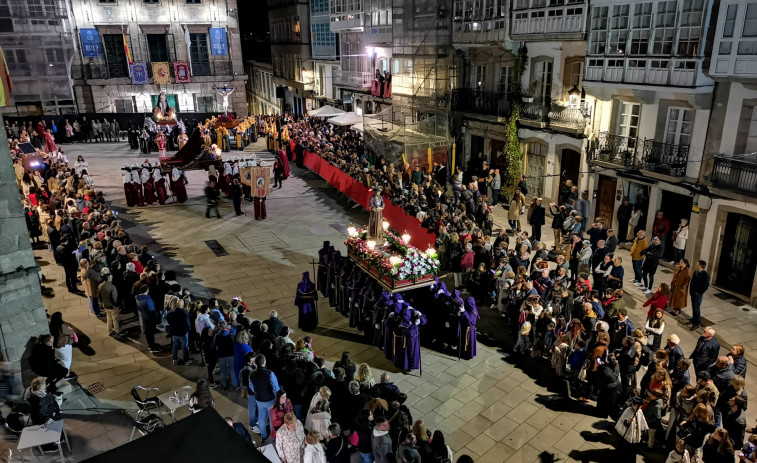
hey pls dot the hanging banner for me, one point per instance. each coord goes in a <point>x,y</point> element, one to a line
<point>161,73</point>
<point>218,41</point>
<point>127,51</point>
<point>261,178</point>
<point>139,74</point>
<point>181,72</point>
<point>90,43</point>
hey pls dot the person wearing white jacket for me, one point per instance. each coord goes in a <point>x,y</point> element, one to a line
<point>632,423</point>
<point>318,417</point>
<point>680,237</point>
<point>313,451</point>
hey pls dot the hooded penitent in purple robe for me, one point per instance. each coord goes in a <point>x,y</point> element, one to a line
<point>380,313</point>
<point>356,294</point>
<point>408,345</point>
<point>332,274</point>
<point>323,269</point>
<point>468,320</point>
<point>306,301</point>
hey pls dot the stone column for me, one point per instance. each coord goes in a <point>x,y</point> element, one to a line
<point>22,314</point>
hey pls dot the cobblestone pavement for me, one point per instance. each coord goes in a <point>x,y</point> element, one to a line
<point>492,408</point>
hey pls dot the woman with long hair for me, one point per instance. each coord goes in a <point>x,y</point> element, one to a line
<point>718,448</point>
<point>679,286</point>
<point>654,329</point>
<point>437,449</point>
<point>281,407</point>
<point>201,397</point>
<point>696,427</point>
<point>347,365</point>
<point>658,300</point>
<point>421,434</point>
<point>364,377</point>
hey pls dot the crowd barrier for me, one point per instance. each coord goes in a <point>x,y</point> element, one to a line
<point>421,237</point>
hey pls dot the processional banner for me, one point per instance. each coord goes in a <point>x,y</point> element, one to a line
<point>181,72</point>
<point>161,73</point>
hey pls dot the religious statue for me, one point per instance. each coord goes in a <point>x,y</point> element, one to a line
<point>163,112</point>
<point>225,92</point>
<point>375,218</point>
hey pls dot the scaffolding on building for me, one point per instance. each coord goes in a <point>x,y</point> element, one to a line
<point>418,119</point>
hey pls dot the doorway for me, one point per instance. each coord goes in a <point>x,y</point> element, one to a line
<point>570,165</point>
<point>476,146</point>
<point>606,199</point>
<point>674,207</point>
<point>638,196</point>
<point>498,160</point>
<point>738,261</point>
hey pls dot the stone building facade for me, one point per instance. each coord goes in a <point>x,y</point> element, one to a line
<point>157,31</point>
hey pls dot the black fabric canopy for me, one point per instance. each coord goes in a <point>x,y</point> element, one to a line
<point>202,437</point>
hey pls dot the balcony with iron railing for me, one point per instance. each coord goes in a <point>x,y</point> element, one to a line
<point>616,150</point>
<point>667,159</point>
<point>480,102</point>
<point>353,78</point>
<point>563,21</point>
<point>737,174</point>
<point>676,72</point>
<point>542,115</point>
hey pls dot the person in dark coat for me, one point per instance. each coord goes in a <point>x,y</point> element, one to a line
<point>43,406</point>
<point>273,323</point>
<point>624,216</point>
<point>43,362</point>
<point>706,352</point>
<point>652,255</point>
<point>699,284</point>
<point>536,219</point>
<point>306,301</point>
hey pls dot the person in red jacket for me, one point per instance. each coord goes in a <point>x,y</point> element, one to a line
<point>658,301</point>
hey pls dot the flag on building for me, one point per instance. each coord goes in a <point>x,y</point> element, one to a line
<point>161,73</point>
<point>129,59</point>
<point>181,72</point>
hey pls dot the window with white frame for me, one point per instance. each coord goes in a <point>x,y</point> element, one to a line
<point>505,83</point>
<point>618,42</point>
<point>678,126</point>
<point>541,79</point>
<point>619,19</point>
<point>479,77</point>
<point>639,42</point>
<point>750,21</point>
<point>628,117</point>
<point>642,16</point>
<point>751,139</point>
<point>522,4</point>
<point>662,43</point>
<point>598,36</point>
<point>690,27</point>
<point>729,23</point>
